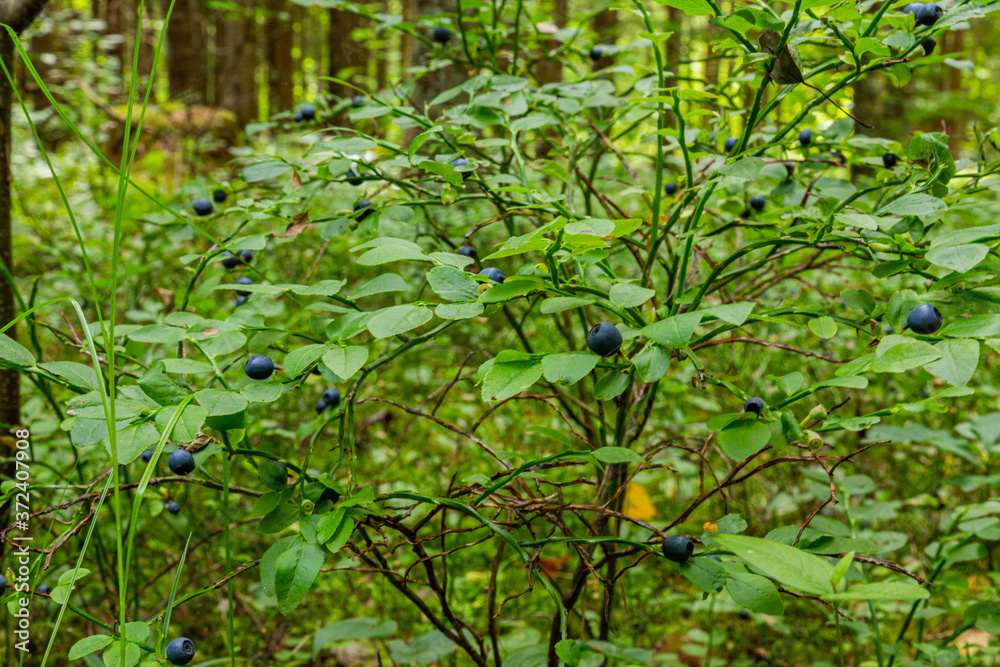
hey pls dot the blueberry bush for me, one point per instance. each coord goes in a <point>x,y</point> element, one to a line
<point>622,368</point>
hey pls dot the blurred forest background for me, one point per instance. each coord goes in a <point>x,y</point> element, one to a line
<point>229,64</point>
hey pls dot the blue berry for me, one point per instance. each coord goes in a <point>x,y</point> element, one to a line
<point>180,651</point>
<point>180,462</point>
<point>677,548</point>
<point>495,275</point>
<point>259,367</point>
<point>202,207</point>
<point>604,339</point>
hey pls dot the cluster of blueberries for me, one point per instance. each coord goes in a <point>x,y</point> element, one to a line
<point>204,207</point>
<point>306,113</point>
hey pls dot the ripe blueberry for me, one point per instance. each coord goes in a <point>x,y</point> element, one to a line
<point>147,456</point>
<point>244,281</point>
<point>259,367</point>
<point>495,275</point>
<point>180,462</point>
<point>331,397</point>
<point>320,406</point>
<point>3,582</point>
<point>230,261</point>
<point>924,319</point>
<point>246,256</point>
<point>789,167</point>
<point>362,209</point>
<point>442,35</point>
<point>913,8</point>
<point>744,614</point>
<point>928,45</point>
<point>731,143</point>
<point>202,207</point>
<point>596,53</point>
<point>754,405</point>
<point>44,588</point>
<point>308,112</point>
<point>604,339</point>
<point>757,202</point>
<point>928,14</point>
<point>352,177</point>
<point>671,188</point>
<point>467,251</point>
<point>358,100</point>
<point>890,160</point>
<point>462,162</point>
<point>240,300</point>
<point>806,137</point>
<point>173,508</point>
<point>677,548</point>
<point>219,196</point>
<point>297,117</point>
<point>180,651</point>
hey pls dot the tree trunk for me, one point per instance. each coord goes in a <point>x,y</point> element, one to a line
<point>235,64</point>
<point>434,83</point>
<point>279,36</point>
<point>10,380</point>
<point>345,54</point>
<point>187,48</point>
<point>606,27</point>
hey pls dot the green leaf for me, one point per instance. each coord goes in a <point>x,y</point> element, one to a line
<point>346,361</point>
<point>88,645</point>
<point>886,590</point>
<point>510,289</point>
<point>734,313</point>
<point>616,455</point>
<point>299,359</point>
<point>13,354</point>
<point>352,629</point>
<point>959,358</point>
<point>705,573</point>
<point>958,258</point>
<point>840,569</point>
<point>569,367</point>
<point>268,562</point>
<point>156,384</point>
<point>756,593</point>
<point>226,409</point>
<point>387,282</point>
<point>398,319</point>
<point>295,571</point>
<point>569,652</point>
<point>627,295</point>
<point>906,355</point>
<point>272,476</point>
<point>611,385</point>
<point>132,441</point>
<point>188,424</point>
<point>76,374</point>
<point>674,331</point>
<point>136,631</point>
<point>651,363</point>
<point>917,204</point>
<point>506,379</point>
<point>744,437</point>
<point>558,304</point>
<point>824,327</point>
<point>113,655</point>
<point>791,567</point>
<point>453,284</point>
<point>976,326</point>
<point>265,171</point>
<point>459,311</point>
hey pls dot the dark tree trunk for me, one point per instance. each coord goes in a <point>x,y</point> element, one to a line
<point>281,84</point>
<point>187,49</point>
<point>10,380</point>
<point>345,56</point>
<point>235,65</point>
<point>18,15</point>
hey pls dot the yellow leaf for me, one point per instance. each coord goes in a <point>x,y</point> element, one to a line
<point>638,504</point>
